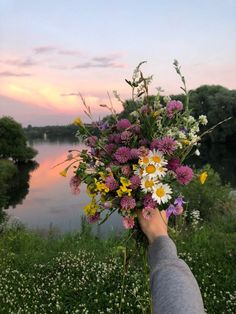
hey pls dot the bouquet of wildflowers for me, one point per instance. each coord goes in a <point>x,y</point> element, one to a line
<point>137,163</point>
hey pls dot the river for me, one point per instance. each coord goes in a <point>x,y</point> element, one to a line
<point>45,198</point>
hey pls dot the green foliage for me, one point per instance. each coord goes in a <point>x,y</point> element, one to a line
<point>212,198</point>
<point>80,272</point>
<point>217,103</point>
<point>13,141</point>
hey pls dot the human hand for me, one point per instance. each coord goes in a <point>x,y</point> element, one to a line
<point>154,227</point>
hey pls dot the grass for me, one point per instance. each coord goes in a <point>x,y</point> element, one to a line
<point>79,273</point>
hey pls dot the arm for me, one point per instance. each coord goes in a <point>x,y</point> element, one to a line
<point>173,286</point>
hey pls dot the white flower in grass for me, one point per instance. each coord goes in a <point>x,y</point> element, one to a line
<point>161,193</point>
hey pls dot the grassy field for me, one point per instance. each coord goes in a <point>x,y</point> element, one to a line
<point>79,273</point>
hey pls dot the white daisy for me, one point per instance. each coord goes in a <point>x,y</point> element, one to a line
<point>139,172</point>
<point>156,158</point>
<point>161,171</point>
<point>161,193</point>
<point>151,171</point>
<point>143,161</point>
<point>147,184</point>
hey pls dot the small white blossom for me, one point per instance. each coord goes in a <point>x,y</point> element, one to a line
<point>203,119</point>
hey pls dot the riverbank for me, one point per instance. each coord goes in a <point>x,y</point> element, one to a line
<point>80,273</point>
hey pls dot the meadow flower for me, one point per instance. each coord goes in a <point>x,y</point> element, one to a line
<point>203,176</point>
<point>172,107</point>
<point>143,151</point>
<point>75,185</point>
<point>94,218</point>
<point>126,136</point>
<point>122,154</point>
<point>127,202</point>
<point>123,124</point>
<point>147,184</point>
<point>202,119</point>
<point>167,145</point>
<point>148,212</point>
<point>184,174</point>
<point>156,158</point>
<point>126,170</point>
<point>78,122</point>
<point>128,222</point>
<point>161,193</point>
<point>173,164</point>
<point>178,210</point>
<point>134,153</point>
<point>107,204</point>
<point>91,208</point>
<point>154,144</point>
<point>148,201</point>
<point>111,183</point>
<point>91,140</point>
<point>170,210</point>
<point>135,182</point>
<point>110,148</point>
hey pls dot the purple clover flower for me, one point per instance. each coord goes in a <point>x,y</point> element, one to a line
<point>111,183</point>
<point>167,145</point>
<point>184,174</point>
<point>122,154</point>
<point>148,201</point>
<point>135,182</point>
<point>123,124</point>
<point>173,164</point>
<point>172,107</point>
<point>127,202</point>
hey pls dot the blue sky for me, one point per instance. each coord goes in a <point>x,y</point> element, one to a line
<point>50,49</point>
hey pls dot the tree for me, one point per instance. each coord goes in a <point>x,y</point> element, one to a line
<point>13,143</point>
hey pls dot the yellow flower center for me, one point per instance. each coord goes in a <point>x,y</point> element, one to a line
<point>145,160</point>
<point>150,169</point>
<point>160,192</point>
<point>156,159</point>
<point>148,184</point>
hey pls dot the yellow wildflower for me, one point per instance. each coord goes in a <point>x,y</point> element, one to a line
<point>125,182</point>
<point>90,190</point>
<point>186,142</point>
<point>78,122</point>
<point>203,176</point>
<point>123,190</point>
<point>91,208</point>
<point>102,175</point>
<point>64,172</point>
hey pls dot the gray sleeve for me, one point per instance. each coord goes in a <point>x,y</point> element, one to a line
<point>173,286</point>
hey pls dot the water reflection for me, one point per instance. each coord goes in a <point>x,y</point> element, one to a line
<point>50,200</point>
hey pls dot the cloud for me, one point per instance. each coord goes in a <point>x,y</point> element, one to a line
<point>44,49</point>
<point>106,64</point>
<point>68,52</point>
<point>10,74</point>
<point>70,94</point>
<point>109,61</point>
<point>28,62</point>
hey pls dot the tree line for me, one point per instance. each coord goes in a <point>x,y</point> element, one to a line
<point>215,101</point>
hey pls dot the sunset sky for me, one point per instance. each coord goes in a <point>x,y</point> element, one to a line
<point>52,49</point>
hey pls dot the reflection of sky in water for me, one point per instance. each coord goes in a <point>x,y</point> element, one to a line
<point>49,200</point>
